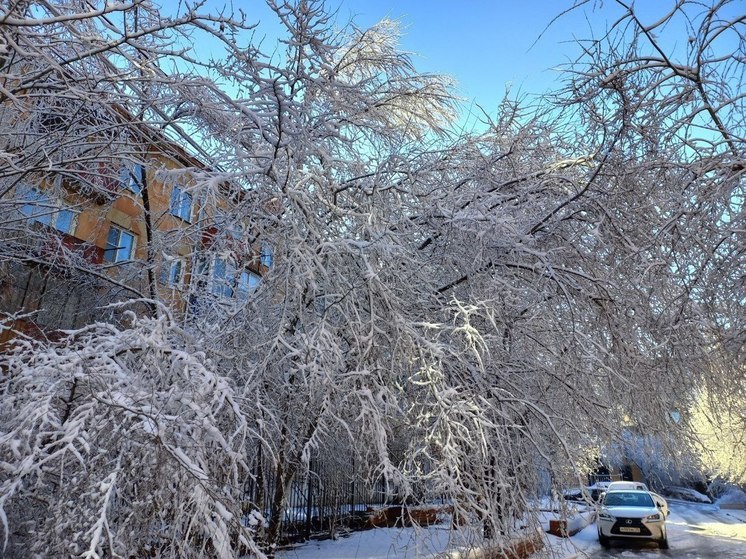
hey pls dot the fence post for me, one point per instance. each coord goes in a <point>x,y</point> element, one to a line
<point>309,497</point>
<point>352,496</point>
<point>258,496</point>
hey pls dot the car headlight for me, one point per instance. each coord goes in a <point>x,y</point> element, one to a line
<point>654,517</point>
<point>605,516</point>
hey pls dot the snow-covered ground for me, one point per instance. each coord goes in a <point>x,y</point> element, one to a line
<point>694,530</point>
<point>685,494</point>
<point>380,543</point>
<point>733,496</point>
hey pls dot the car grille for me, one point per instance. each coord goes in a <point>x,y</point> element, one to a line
<point>629,523</point>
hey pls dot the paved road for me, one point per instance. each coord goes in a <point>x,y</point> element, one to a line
<point>694,532</point>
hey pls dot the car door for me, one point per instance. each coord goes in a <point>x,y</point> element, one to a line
<point>661,503</point>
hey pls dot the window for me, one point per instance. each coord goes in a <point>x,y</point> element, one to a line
<point>181,204</point>
<point>120,245</point>
<point>171,273</point>
<point>223,274</point>
<point>628,500</point>
<point>40,207</point>
<point>64,221</point>
<point>265,257</point>
<point>227,281</point>
<point>132,177</point>
<point>246,283</point>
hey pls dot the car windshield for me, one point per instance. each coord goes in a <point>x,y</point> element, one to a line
<point>631,499</point>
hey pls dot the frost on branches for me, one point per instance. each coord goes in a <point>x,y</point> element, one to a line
<point>462,317</point>
<point>663,93</point>
<point>124,440</point>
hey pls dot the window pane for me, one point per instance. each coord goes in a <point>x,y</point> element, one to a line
<point>219,269</point>
<point>132,177</point>
<point>242,291</point>
<point>266,256</point>
<point>126,243</point>
<point>247,282</point>
<point>38,206</point>
<point>119,245</point>
<point>218,277</point>
<point>228,280</point>
<point>175,273</point>
<point>186,206</point>
<point>173,206</point>
<point>124,176</point>
<point>170,273</point>
<point>181,204</point>
<point>64,221</point>
<point>29,195</point>
<point>112,242</point>
<point>140,175</point>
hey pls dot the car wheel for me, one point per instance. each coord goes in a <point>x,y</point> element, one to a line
<point>663,544</point>
<point>603,540</point>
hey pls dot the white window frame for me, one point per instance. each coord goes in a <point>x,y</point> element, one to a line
<point>171,279</point>
<point>234,283</point>
<point>51,209</point>
<point>177,206</point>
<point>118,257</point>
<point>132,177</point>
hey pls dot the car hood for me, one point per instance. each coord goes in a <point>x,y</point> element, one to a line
<point>631,512</point>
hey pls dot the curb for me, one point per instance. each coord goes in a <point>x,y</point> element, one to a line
<point>571,526</point>
<point>521,549</point>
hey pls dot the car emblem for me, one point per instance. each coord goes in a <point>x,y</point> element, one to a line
<point>629,521</point>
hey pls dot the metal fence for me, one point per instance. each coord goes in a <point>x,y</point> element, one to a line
<point>328,499</point>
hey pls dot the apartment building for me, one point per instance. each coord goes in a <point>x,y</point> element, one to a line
<point>117,221</point>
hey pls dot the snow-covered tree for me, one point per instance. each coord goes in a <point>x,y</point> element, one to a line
<point>119,438</point>
<point>464,316</point>
<point>660,93</point>
<point>122,441</point>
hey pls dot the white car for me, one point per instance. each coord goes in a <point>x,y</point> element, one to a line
<point>626,485</point>
<point>661,503</point>
<point>631,515</point>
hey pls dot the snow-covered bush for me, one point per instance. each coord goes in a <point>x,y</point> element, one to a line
<point>120,441</point>
<point>731,495</point>
<point>685,494</point>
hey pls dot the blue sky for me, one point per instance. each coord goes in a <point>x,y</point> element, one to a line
<point>486,46</point>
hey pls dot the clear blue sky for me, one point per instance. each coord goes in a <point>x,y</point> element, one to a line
<point>487,46</point>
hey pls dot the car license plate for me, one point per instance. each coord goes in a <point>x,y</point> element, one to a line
<point>628,530</point>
